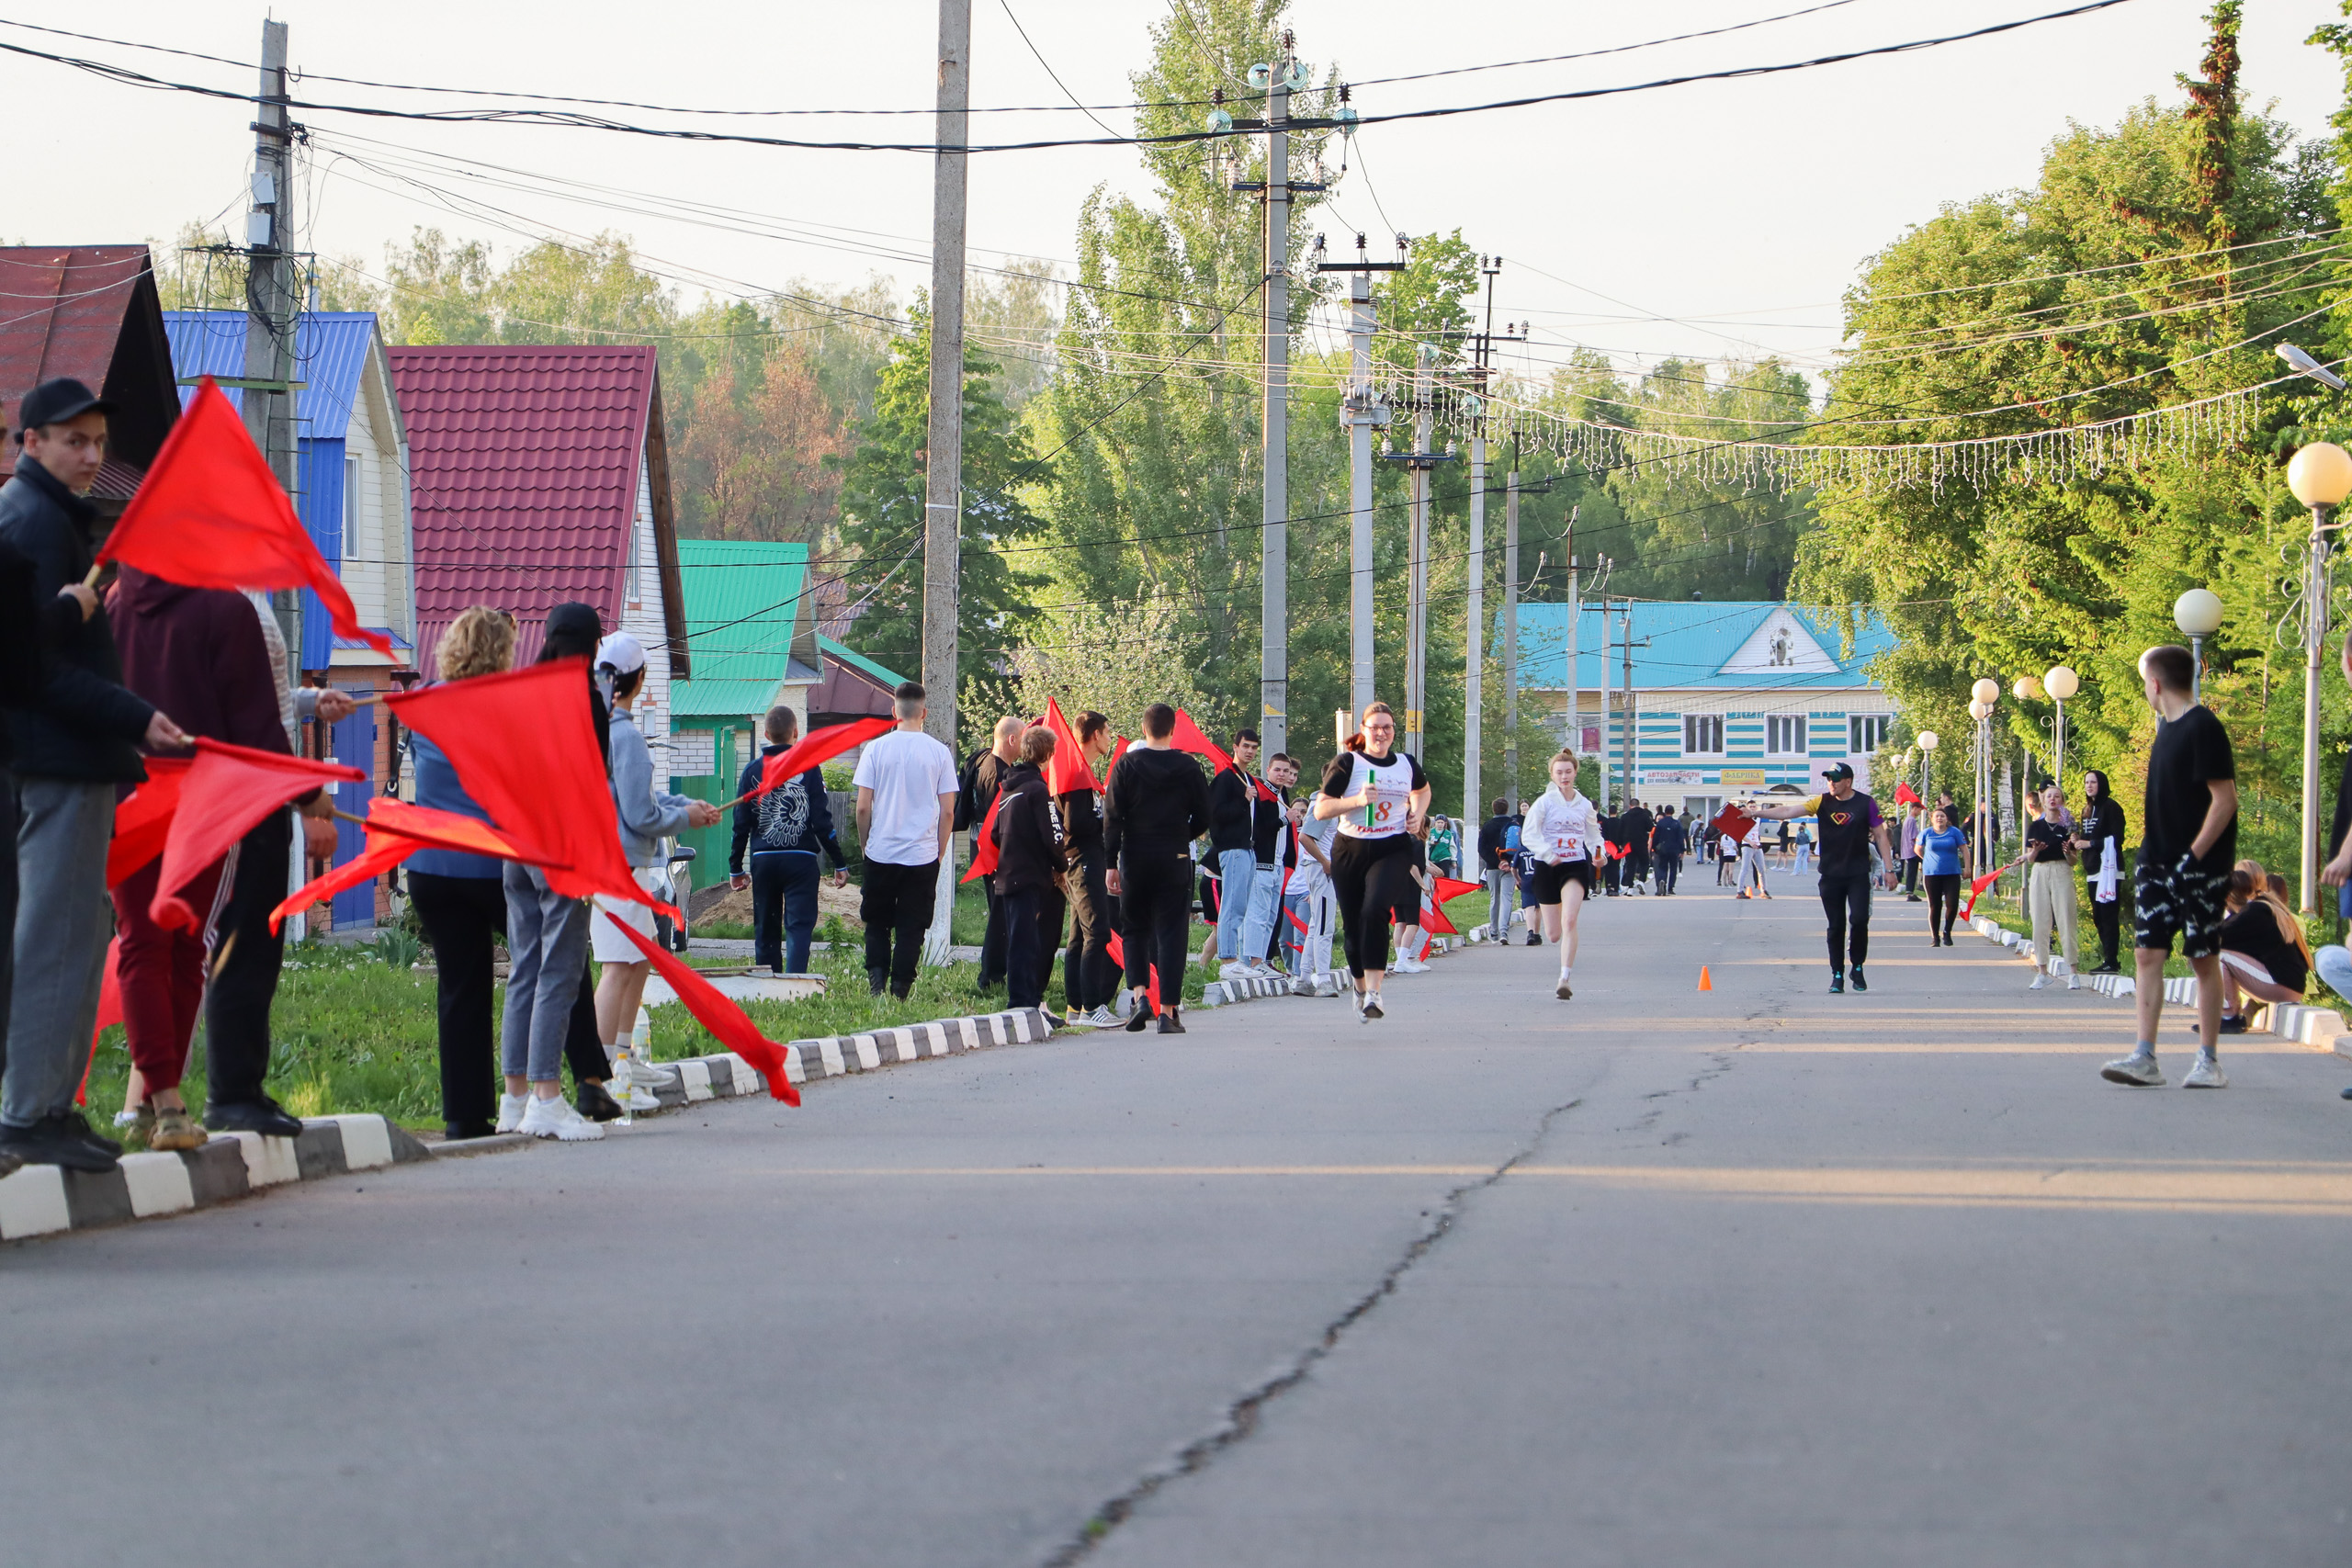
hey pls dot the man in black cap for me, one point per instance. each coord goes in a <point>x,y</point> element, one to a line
<point>1847,822</point>
<point>71,748</point>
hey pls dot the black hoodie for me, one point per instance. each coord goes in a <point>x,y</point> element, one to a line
<point>1028,829</point>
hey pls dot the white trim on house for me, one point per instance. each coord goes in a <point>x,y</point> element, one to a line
<point>642,616</point>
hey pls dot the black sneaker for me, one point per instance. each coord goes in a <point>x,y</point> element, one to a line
<point>877,980</point>
<point>1171,1023</point>
<point>596,1104</point>
<point>1859,983</point>
<point>1837,984</point>
<point>1534,941</point>
<point>1138,1019</point>
<point>78,1125</point>
<point>265,1116</point>
<point>53,1141</point>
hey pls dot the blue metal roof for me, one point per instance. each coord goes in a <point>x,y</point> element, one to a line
<point>330,352</point>
<point>1687,643</point>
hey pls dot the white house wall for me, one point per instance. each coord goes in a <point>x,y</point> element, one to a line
<point>1664,773</point>
<point>642,617</point>
<point>376,535</point>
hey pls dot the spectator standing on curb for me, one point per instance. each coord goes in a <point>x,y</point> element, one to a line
<point>1270,844</point>
<point>72,749</point>
<point>1494,872</point>
<point>906,813</point>
<point>975,792</point>
<point>1030,867</point>
<point>459,897</point>
<point>783,828</point>
<point>1233,798</point>
<point>2050,890</point>
<point>2100,840</point>
<point>2188,840</point>
<point>1155,804</point>
<point>1088,981</point>
<point>1670,841</point>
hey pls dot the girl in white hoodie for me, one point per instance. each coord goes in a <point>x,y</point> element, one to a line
<point>1562,833</point>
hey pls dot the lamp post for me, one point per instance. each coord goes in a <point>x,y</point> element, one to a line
<point>1985,693</point>
<point>2060,684</point>
<point>1928,740</point>
<point>2321,476</point>
<point>2197,613</point>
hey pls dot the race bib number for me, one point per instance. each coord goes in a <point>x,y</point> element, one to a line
<point>1384,810</point>
<point>1567,846</point>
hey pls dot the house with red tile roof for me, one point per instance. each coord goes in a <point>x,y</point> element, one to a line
<point>91,312</point>
<point>540,475</point>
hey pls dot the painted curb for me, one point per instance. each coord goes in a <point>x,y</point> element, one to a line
<point>40,1200</point>
<point>728,1076</point>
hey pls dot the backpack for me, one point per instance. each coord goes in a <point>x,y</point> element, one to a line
<point>1511,839</point>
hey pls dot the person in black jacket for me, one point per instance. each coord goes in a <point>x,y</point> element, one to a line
<point>975,791</point>
<point>1029,868</point>
<point>783,828</point>
<point>1496,873</point>
<point>1088,977</point>
<point>1669,841</point>
<point>1636,824</point>
<point>1233,796</point>
<point>2103,820</point>
<point>1613,833</point>
<point>71,748</point>
<point>1154,805</point>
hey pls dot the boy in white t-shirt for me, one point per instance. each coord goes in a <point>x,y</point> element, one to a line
<point>906,811</point>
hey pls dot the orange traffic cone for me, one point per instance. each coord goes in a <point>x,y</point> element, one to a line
<point>1704,983</point>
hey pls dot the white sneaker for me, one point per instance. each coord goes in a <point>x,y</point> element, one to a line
<point>2206,1074</point>
<point>635,1098</point>
<point>510,1110</point>
<point>2139,1071</point>
<point>553,1117</point>
<point>1411,966</point>
<point>2040,980</point>
<point>1562,990</point>
<point>631,1068</point>
<point>1237,970</point>
<point>2074,981</point>
<point>1103,1018</point>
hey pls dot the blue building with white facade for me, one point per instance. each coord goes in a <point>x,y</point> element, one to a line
<point>1728,698</point>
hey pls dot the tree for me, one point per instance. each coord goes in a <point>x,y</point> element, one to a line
<point>761,460</point>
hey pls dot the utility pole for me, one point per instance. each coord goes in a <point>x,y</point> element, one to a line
<point>943,447</point>
<point>1575,738</point>
<point>1626,736</point>
<point>1474,665</point>
<point>1417,626</point>
<point>272,301</point>
<point>1510,633</point>
<point>1359,414</point>
<point>1273,541</point>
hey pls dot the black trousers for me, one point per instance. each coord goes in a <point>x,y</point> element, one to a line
<point>784,908</point>
<point>1943,901</point>
<point>992,936</point>
<point>1615,876</point>
<point>1911,875</point>
<point>8,823</point>
<point>1156,905</point>
<point>2108,919</point>
<point>1670,872</point>
<point>1373,881</point>
<point>460,916</point>
<point>584,1041</point>
<point>1088,979</point>
<point>1052,906</point>
<point>237,1003</point>
<point>1637,864</point>
<point>1028,958</point>
<point>896,901</point>
<point>1846,898</point>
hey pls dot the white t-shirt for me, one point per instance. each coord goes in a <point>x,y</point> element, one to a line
<point>1309,876</point>
<point>908,772</point>
<point>1559,829</point>
<point>1391,784</point>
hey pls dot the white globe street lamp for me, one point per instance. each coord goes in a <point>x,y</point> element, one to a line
<point>2197,613</point>
<point>2321,476</point>
<point>1927,742</point>
<point>2060,684</point>
<point>1986,691</point>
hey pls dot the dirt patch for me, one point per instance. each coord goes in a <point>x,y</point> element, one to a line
<point>723,902</point>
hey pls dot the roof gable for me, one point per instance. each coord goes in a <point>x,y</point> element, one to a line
<point>91,312</point>
<point>331,353</point>
<point>1697,644</point>
<point>1780,646</point>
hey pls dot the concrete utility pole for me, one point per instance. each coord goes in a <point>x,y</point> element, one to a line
<point>944,449</point>
<point>1360,415</point>
<point>1627,739</point>
<point>1474,661</point>
<point>272,301</point>
<point>1416,628</point>
<point>1510,633</point>
<point>1273,542</point>
<point>1575,735</point>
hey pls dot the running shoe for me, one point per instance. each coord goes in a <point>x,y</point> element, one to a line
<point>1859,983</point>
<point>1171,1021</point>
<point>1411,966</point>
<point>552,1116</point>
<point>1837,984</point>
<point>1371,1006</point>
<point>1138,1019</point>
<point>1534,940</point>
<point>1076,1018</point>
<point>1237,970</point>
<point>2074,982</point>
<point>1562,990</point>
<point>2139,1071</point>
<point>2039,981</point>
<point>1103,1017</point>
<point>2206,1074</point>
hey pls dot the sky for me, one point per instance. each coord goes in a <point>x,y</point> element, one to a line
<point>1710,219</point>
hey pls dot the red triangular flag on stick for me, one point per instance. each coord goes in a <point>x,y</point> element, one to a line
<point>1433,919</point>
<point>525,747</point>
<point>1069,771</point>
<point>714,1012</point>
<point>984,849</point>
<point>396,830</point>
<point>224,796</point>
<point>1118,952</point>
<point>1452,887</point>
<point>817,746</point>
<point>1905,796</point>
<point>1976,888</point>
<point>143,821</point>
<point>211,514</point>
<point>382,853</point>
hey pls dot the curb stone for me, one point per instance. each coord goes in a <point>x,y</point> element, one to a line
<point>727,1075</point>
<point>40,1200</point>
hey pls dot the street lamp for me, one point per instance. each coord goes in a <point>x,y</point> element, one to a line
<point>2060,684</point>
<point>1926,764</point>
<point>2197,613</point>
<point>2321,476</point>
<point>1986,694</point>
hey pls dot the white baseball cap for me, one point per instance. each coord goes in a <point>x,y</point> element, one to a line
<point>622,653</point>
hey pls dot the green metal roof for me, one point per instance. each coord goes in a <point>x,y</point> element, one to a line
<point>742,601</point>
<point>851,657</point>
<point>705,698</point>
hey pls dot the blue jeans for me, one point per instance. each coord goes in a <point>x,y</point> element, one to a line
<point>1265,909</point>
<point>1236,869</point>
<point>547,950</point>
<point>784,908</point>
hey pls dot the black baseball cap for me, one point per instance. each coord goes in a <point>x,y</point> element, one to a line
<point>54,402</point>
<point>1836,771</point>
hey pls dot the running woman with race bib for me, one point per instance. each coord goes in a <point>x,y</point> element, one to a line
<point>1561,831</point>
<point>1378,796</point>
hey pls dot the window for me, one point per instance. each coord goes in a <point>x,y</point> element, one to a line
<point>1865,732</point>
<point>1784,734</point>
<point>1702,734</point>
<point>352,544</point>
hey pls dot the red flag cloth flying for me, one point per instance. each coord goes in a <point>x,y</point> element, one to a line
<point>714,1012</point>
<point>396,830</point>
<point>1452,887</point>
<point>142,822</point>
<point>1188,738</point>
<point>1118,952</point>
<point>1905,796</point>
<point>211,514</point>
<point>525,747</point>
<point>1976,888</point>
<point>225,794</point>
<point>984,849</point>
<point>818,746</point>
<point>1069,771</point>
<point>109,1013</point>
<point>1433,919</point>
<point>382,853</point>
<point>1732,821</point>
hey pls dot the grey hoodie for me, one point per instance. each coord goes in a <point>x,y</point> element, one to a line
<point>646,818</point>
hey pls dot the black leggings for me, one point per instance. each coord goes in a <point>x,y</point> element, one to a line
<point>1088,979</point>
<point>1156,905</point>
<point>1374,879</point>
<point>1846,900</point>
<point>1943,901</point>
<point>2108,920</point>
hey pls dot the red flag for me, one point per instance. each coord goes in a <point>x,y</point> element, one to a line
<point>715,1013</point>
<point>525,747</point>
<point>381,855</point>
<point>1433,919</point>
<point>818,746</point>
<point>1188,738</point>
<point>1452,887</point>
<point>224,796</point>
<point>142,822</point>
<point>109,1014</point>
<point>1732,822</point>
<point>1069,771</point>
<point>1118,952</point>
<point>429,828</point>
<point>1976,888</point>
<point>1905,797</point>
<point>984,849</point>
<point>211,514</point>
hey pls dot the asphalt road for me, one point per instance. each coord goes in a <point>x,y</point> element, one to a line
<point>1755,1276</point>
